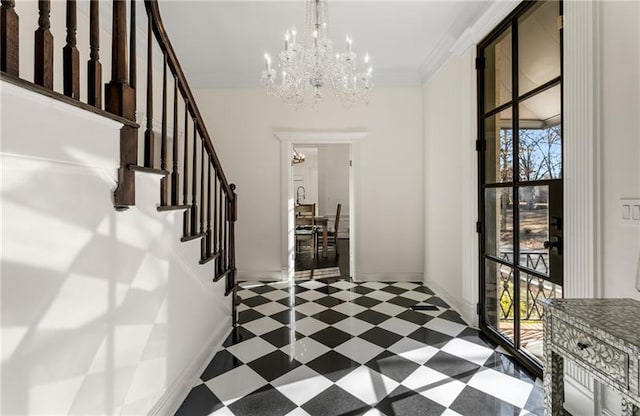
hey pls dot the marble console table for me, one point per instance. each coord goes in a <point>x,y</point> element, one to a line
<point>600,335</point>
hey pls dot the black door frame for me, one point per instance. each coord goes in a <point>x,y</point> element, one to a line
<point>510,22</point>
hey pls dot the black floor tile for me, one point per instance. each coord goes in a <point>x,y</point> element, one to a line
<point>329,301</point>
<point>454,367</point>
<point>365,301</point>
<point>248,316</point>
<point>329,316</point>
<point>535,403</point>
<point>264,401</point>
<point>327,290</point>
<point>477,337</point>
<point>380,337</point>
<point>474,402</point>
<point>334,401</point>
<point>430,337</point>
<point>393,289</point>
<point>236,336</point>
<point>424,289</point>
<point>331,337</point>
<point>297,301</point>
<point>361,290</point>
<point>373,317</point>
<point>282,336</point>
<point>405,402</point>
<point>392,366</point>
<point>263,289</point>
<point>273,365</point>
<point>508,365</point>
<point>222,362</point>
<point>284,317</point>
<point>200,402</point>
<point>434,300</point>
<point>452,316</point>
<point>418,318</point>
<point>402,301</point>
<point>333,365</point>
<point>256,301</point>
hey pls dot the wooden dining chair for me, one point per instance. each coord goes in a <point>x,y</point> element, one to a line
<point>332,234</point>
<point>305,228</point>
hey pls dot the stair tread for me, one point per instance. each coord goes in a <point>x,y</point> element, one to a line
<point>145,169</point>
<point>221,275</point>
<point>192,237</point>
<point>211,257</point>
<point>172,207</point>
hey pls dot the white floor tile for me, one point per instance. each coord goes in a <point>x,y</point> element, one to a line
<point>374,412</point>
<point>445,326</point>
<point>388,308</point>
<point>353,326</point>
<point>468,350</point>
<point>270,308</point>
<point>415,296</point>
<point>311,295</point>
<point>310,308</point>
<point>406,285</point>
<point>359,350</point>
<point>246,294</point>
<point>399,326</point>
<point>502,386</point>
<point>367,385</point>
<point>235,384</point>
<point>349,308</point>
<point>312,284</point>
<point>374,285</point>
<point>222,412</point>
<point>262,325</point>
<point>305,350</point>
<point>343,284</point>
<point>450,412</point>
<point>446,393</point>
<point>307,326</point>
<point>276,295</point>
<point>251,349</point>
<point>420,354</point>
<point>423,379</point>
<point>297,412</point>
<point>346,296</point>
<point>301,384</point>
<point>381,295</point>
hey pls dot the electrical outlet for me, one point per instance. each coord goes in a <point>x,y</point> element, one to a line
<point>630,211</point>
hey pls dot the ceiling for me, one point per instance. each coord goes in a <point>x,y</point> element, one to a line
<point>222,43</point>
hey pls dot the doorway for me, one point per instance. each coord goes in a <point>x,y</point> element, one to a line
<point>301,138</point>
<point>321,184</point>
<point>520,176</point>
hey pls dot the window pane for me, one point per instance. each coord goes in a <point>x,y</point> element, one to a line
<point>499,305</point>
<point>533,289</point>
<point>534,227</point>
<point>538,46</point>
<point>540,136</point>
<point>498,133</point>
<point>498,234</point>
<point>497,74</point>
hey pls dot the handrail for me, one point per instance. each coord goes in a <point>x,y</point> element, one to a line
<point>176,69</point>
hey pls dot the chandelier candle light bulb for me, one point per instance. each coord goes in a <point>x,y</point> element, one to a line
<point>309,67</point>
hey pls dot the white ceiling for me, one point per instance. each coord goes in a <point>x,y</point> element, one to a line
<point>222,43</point>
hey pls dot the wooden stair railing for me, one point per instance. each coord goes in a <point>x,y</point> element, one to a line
<point>208,200</point>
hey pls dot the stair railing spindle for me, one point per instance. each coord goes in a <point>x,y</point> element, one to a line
<point>9,38</point>
<point>163,140</point>
<point>175,177</point>
<point>149,137</point>
<point>194,179</point>
<point>202,167</point>
<point>94,67</point>
<point>43,53</point>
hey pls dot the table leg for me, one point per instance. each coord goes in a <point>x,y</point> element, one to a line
<point>629,409</point>
<point>324,240</point>
<point>553,373</point>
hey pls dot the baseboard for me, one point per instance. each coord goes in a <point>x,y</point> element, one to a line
<point>389,277</point>
<point>466,309</point>
<point>260,276</point>
<point>173,397</point>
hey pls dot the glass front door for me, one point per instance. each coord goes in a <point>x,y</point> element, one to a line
<point>520,175</point>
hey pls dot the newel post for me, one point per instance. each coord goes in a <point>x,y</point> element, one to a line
<point>120,99</point>
<point>231,278</point>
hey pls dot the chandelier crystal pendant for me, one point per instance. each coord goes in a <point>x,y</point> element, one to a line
<point>304,70</point>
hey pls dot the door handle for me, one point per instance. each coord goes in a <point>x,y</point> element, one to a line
<point>554,243</point>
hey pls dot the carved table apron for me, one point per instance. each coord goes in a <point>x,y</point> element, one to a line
<point>600,335</point>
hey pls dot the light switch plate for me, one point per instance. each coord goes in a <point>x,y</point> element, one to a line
<point>630,211</point>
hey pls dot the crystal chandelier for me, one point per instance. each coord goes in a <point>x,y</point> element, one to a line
<point>304,69</point>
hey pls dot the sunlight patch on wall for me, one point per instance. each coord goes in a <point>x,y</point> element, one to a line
<point>53,398</point>
<point>11,338</point>
<point>152,275</point>
<point>81,300</point>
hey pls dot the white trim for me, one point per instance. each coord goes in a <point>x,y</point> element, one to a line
<point>467,310</point>
<point>175,394</point>
<point>389,277</point>
<point>262,275</point>
<point>287,138</point>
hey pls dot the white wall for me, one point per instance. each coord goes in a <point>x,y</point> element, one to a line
<point>103,312</point>
<point>450,184</point>
<point>389,176</point>
<point>620,65</point>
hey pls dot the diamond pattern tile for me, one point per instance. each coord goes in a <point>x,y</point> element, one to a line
<point>336,347</point>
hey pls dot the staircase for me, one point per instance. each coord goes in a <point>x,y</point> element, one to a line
<point>192,178</point>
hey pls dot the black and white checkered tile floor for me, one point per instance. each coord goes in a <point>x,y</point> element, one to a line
<point>333,347</point>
